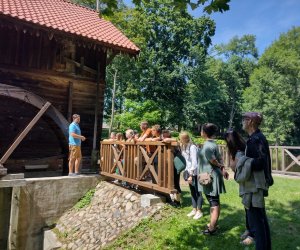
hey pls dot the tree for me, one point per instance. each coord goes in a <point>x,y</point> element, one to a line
<point>135,112</point>
<point>274,89</point>
<point>108,7</point>
<point>217,83</point>
<point>205,96</point>
<point>166,37</point>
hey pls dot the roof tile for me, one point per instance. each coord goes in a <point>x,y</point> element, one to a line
<point>70,18</point>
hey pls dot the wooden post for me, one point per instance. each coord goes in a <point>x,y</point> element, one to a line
<point>70,101</point>
<point>271,156</point>
<point>12,243</point>
<point>96,107</point>
<point>276,152</point>
<point>113,103</point>
<point>159,166</point>
<point>24,133</point>
<point>170,168</point>
<point>81,65</point>
<point>282,159</point>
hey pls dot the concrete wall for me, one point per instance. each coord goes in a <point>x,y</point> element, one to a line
<point>5,201</point>
<point>43,201</point>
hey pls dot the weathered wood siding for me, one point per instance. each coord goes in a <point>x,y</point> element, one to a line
<point>47,65</point>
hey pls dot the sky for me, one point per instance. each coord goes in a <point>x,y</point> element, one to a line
<point>266,19</point>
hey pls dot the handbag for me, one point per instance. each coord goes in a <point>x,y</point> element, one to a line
<point>205,178</point>
<point>186,175</point>
<point>179,163</point>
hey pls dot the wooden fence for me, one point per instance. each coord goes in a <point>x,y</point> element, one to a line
<point>128,161</point>
<point>285,159</point>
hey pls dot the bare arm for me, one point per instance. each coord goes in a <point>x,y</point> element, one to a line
<point>143,138</point>
<point>78,136</point>
<point>169,140</point>
<point>216,163</point>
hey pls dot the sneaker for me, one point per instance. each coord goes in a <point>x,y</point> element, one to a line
<point>71,174</point>
<point>192,213</point>
<point>198,215</point>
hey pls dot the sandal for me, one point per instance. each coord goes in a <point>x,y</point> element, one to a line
<point>207,231</point>
<point>247,241</point>
<point>208,225</point>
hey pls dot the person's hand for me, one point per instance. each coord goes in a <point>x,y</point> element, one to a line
<point>225,174</point>
<point>190,180</point>
<point>83,138</point>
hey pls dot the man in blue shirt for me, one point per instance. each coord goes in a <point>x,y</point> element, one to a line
<point>75,139</point>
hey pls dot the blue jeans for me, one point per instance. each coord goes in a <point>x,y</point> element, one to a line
<point>259,225</point>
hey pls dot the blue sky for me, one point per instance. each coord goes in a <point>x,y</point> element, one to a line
<point>266,19</point>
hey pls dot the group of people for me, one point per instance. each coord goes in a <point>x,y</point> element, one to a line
<point>250,161</point>
<point>205,160</point>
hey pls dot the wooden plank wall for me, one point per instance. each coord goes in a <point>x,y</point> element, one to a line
<point>35,61</point>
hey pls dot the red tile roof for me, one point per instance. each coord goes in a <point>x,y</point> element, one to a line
<point>68,17</point>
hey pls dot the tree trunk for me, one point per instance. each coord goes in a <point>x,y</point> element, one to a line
<point>232,112</point>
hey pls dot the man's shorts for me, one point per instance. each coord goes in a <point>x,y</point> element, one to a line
<point>74,152</point>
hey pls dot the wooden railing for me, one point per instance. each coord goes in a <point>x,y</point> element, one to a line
<point>135,165</point>
<point>285,159</point>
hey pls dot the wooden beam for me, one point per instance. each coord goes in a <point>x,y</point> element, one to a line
<point>26,96</point>
<point>70,101</point>
<point>79,65</point>
<point>96,107</point>
<point>24,133</point>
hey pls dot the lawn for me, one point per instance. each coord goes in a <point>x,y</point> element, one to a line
<point>174,230</point>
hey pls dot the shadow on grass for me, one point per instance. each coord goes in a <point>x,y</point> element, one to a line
<point>284,222</point>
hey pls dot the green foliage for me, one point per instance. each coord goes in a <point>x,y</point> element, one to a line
<point>62,236</point>
<point>271,94</point>
<point>109,7</point>
<point>175,134</point>
<point>200,141</point>
<point>214,93</point>
<point>274,89</point>
<point>167,37</point>
<point>242,47</point>
<point>85,200</point>
<point>135,112</point>
<point>175,231</point>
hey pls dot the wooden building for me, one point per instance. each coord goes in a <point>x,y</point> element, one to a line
<point>52,51</point>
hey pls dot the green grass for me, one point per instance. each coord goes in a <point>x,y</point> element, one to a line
<point>85,200</point>
<point>174,230</point>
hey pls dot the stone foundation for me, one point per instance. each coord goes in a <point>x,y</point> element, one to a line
<point>112,211</point>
